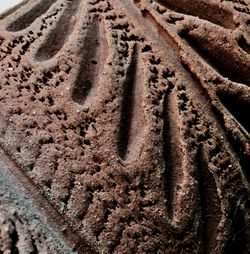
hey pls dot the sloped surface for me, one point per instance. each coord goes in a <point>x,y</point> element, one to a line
<point>129,118</point>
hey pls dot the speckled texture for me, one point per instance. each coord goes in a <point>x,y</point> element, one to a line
<point>23,228</point>
<point>131,119</point>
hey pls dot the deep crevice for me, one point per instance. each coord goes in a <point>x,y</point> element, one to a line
<point>238,239</point>
<point>232,103</point>
<point>236,2</point>
<point>14,239</point>
<point>240,110</point>
<point>28,18</point>
<point>237,146</point>
<point>33,243</point>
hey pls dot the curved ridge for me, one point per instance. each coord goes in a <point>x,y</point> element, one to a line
<point>28,18</point>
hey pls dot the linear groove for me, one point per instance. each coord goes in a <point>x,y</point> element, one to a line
<point>240,110</point>
<point>239,241</point>
<point>58,36</point>
<point>171,152</point>
<point>94,55</point>
<point>202,9</point>
<point>229,64</point>
<point>244,45</point>
<point>28,18</point>
<point>132,115</point>
<point>210,203</point>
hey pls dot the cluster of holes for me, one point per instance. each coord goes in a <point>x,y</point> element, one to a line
<point>100,7</point>
<point>242,9</point>
<point>30,38</point>
<point>237,2</point>
<point>81,129</point>
<point>171,19</point>
<point>196,129</point>
<point>7,49</point>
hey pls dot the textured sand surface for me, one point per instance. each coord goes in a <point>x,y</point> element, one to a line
<point>125,126</point>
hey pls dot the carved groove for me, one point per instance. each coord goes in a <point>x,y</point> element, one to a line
<point>239,109</point>
<point>58,36</point>
<point>132,115</point>
<point>229,64</point>
<point>240,2</point>
<point>171,151</point>
<point>238,242</point>
<point>28,18</point>
<point>203,9</point>
<point>94,55</point>
<point>157,30</point>
<point>210,203</point>
<point>244,45</point>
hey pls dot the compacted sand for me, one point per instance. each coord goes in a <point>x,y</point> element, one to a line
<point>125,127</point>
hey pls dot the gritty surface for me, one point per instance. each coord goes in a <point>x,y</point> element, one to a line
<point>130,118</point>
<point>22,228</point>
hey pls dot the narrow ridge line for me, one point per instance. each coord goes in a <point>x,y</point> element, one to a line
<point>151,31</point>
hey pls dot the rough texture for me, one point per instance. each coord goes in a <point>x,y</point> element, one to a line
<point>22,228</point>
<point>131,118</point>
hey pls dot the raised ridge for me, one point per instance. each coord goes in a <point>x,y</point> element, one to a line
<point>129,119</point>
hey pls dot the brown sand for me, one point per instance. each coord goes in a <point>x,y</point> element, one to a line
<point>125,127</point>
